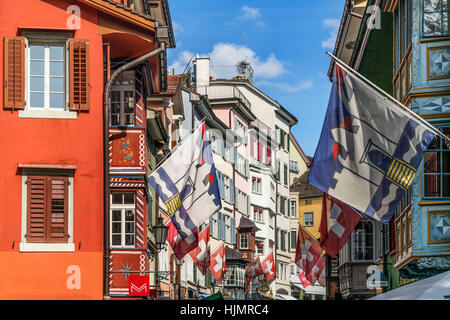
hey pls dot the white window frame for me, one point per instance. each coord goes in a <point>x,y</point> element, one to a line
<point>258,185</point>
<point>122,208</point>
<point>245,237</point>
<point>293,208</point>
<point>304,220</point>
<point>47,38</point>
<point>69,246</point>
<point>373,244</point>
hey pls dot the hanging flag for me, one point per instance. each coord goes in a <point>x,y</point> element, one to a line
<point>181,247</point>
<point>201,254</point>
<point>317,273</point>
<point>186,183</point>
<point>302,277</point>
<point>369,148</point>
<point>268,266</point>
<point>337,224</point>
<point>217,266</point>
<point>307,252</point>
<point>252,271</point>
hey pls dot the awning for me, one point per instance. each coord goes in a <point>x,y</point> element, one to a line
<point>216,296</point>
<point>284,297</point>
<point>432,288</point>
<point>311,289</point>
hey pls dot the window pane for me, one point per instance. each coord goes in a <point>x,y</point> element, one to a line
<point>117,198</point>
<point>128,198</point>
<point>432,162</point>
<point>129,240</point>
<point>129,215</point>
<point>56,84</point>
<point>446,162</point>
<point>36,52</point>
<point>56,68</point>
<point>57,100</point>
<point>432,185</point>
<point>37,84</point>
<point>56,53</point>
<point>446,186</point>
<point>116,240</point>
<point>116,215</point>
<point>129,227</point>
<point>116,227</point>
<point>36,68</point>
<point>36,100</point>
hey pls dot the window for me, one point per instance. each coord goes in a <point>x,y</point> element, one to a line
<point>260,247</point>
<point>240,129</point>
<point>308,219</point>
<point>241,165</point>
<point>47,76</point>
<point>272,191</point>
<point>362,241</point>
<point>241,201</point>
<point>243,241</point>
<point>122,100</point>
<point>256,185</point>
<point>437,168</point>
<point>258,215</point>
<point>282,204</point>
<point>283,240</point>
<point>123,219</point>
<point>308,201</point>
<point>436,18</point>
<point>47,211</point>
<point>293,208</point>
<point>285,172</point>
<point>293,166</point>
<point>293,239</point>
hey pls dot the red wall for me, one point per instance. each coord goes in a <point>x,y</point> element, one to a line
<point>52,141</point>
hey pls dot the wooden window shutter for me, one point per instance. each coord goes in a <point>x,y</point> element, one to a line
<point>36,208</point>
<point>57,209</point>
<point>14,73</point>
<point>79,74</point>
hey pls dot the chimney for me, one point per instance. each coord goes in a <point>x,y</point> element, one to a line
<point>201,67</point>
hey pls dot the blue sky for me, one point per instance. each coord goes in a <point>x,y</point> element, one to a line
<point>285,41</point>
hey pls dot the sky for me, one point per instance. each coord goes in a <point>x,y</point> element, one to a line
<point>284,40</point>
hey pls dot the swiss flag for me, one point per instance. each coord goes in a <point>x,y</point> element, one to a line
<point>253,270</point>
<point>201,254</point>
<point>317,273</point>
<point>303,280</point>
<point>181,246</point>
<point>308,251</point>
<point>337,223</point>
<point>217,266</point>
<point>268,266</point>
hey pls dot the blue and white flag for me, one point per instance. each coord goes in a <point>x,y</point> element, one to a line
<point>187,185</point>
<point>369,149</point>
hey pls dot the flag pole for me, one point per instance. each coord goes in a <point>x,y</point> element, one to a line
<point>160,162</point>
<point>404,109</point>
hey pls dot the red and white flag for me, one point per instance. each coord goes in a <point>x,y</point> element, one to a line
<point>253,270</point>
<point>308,251</point>
<point>217,266</point>
<point>268,266</point>
<point>201,254</point>
<point>317,273</point>
<point>337,223</point>
<point>302,277</point>
<point>181,246</point>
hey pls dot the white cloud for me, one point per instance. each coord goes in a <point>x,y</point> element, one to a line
<point>250,13</point>
<point>177,27</point>
<point>225,56</point>
<point>287,87</point>
<point>180,63</point>
<point>332,24</point>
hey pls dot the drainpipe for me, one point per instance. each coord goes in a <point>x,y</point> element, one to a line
<point>107,89</point>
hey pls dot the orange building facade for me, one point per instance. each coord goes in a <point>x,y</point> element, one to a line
<point>58,239</point>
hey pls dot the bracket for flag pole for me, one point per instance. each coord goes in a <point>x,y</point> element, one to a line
<point>404,109</point>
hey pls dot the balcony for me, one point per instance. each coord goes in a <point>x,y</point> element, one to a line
<point>226,92</point>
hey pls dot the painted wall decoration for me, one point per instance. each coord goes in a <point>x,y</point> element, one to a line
<point>127,150</point>
<point>438,63</point>
<point>431,105</point>
<point>439,226</point>
<point>124,263</point>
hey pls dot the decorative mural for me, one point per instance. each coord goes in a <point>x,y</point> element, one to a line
<point>128,150</point>
<point>431,105</point>
<point>124,263</point>
<point>439,227</point>
<point>438,63</point>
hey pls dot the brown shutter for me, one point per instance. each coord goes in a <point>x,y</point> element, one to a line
<point>36,208</point>
<point>14,73</point>
<point>79,74</point>
<point>57,209</point>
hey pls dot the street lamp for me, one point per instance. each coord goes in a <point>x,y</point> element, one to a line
<point>160,231</point>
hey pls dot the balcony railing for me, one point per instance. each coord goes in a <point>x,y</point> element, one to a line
<point>215,92</point>
<point>141,7</point>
